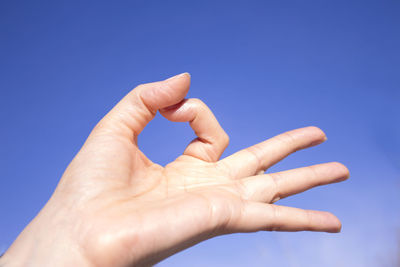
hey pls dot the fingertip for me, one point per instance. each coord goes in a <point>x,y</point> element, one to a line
<point>334,224</point>
<point>319,135</point>
<point>344,171</point>
<point>318,131</point>
<point>165,93</point>
<point>339,229</point>
<point>180,82</point>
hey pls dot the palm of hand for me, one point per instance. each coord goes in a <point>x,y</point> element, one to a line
<point>188,196</point>
<point>114,207</point>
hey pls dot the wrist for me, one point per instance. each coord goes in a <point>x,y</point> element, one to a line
<point>42,247</point>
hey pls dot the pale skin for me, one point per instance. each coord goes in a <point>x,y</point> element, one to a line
<point>114,207</point>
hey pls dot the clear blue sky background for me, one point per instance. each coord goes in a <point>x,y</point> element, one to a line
<point>262,66</point>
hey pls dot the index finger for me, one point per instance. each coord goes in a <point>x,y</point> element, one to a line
<point>211,138</point>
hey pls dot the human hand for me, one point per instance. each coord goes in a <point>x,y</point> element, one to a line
<point>114,207</point>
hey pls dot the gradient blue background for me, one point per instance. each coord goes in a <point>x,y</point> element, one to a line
<point>263,67</point>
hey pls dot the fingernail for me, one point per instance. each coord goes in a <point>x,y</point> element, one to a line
<point>318,142</point>
<point>173,106</point>
<point>178,76</point>
<point>275,199</point>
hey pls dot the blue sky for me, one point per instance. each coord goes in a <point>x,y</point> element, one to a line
<point>263,67</point>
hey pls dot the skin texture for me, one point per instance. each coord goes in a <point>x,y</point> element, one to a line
<point>114,207</point>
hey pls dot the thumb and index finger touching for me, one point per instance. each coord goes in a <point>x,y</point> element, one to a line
<point>129,117</point>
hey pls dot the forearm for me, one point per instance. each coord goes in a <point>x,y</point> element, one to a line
<point>41,247</point>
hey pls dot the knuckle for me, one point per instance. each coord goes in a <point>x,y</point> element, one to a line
<point>309,218</point>
<point>242,189</point>
<point>225,168</point>
<point>287,138</point>
<point>277,194</point>
<point>101,129</point>
<point>275,224</point>
<point>197,103</point>
<point>225,139</point>
<point>313,172</point>
<point>255,152</point>
<point>141,86</point>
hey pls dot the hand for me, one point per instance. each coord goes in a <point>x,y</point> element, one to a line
<point>114,207</point>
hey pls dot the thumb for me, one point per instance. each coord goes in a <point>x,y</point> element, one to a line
<point>138,107</point>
